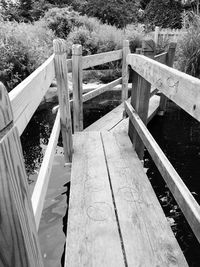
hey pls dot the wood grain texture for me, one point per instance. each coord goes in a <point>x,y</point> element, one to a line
<point>41,185</point>
<point>147,237</point>
<point>181,88</point>
<point>99,59</point>
<point>92,232</point>
<point>77,87</point>
<point>63,96</point>
<point>26,97</point>
<point>125,73</point>
<point>6,115</point>
<point>101,89</point>
<point>182,195</point>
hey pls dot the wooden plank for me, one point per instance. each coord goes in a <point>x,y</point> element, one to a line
<point>182,195</point>
<point>77,87</point>
<point>125,72</point>
<point>161,57</point>
<point>99,59</point>
<point>41,185</point>
<point>156,35</point>
<point>59,46</point>
<point>101,89</point>
<point>18,235</point>
<point>6,115</point>
<point>147,237</point>
<point>92,232</point>
<point>122,126</point>
<point>181,88</point>
<point>26,97</point>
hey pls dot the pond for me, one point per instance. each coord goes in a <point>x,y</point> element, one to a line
<point>177,134</point>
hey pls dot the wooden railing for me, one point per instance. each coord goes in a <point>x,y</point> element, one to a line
<point>182,89</point>
<point>22,212</point>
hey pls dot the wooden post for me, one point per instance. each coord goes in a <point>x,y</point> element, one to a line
<point>77,87</point>
<point>125,74</point>
<point>18,236</point>
<point>140,96</point>
<point>169,62</point>
<point>60,62</point>
<point>156,35</point>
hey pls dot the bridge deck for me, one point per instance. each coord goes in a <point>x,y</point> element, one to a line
<point>114,216</point>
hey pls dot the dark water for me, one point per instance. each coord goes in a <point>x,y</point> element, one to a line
<point>177,134</point>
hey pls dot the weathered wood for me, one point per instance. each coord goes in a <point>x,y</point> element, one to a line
<point>63,96</point>
<point>99,59</point>
<point>18,236</point>
<point>169,62</point>
<point>125,73</point>
<point>140,98</point>
<point>181,88</point>
<point>41,185</point>
<point>6,116</point>
<point>26,97</point>
<point>92,231</point>
<point>156,35</point>
<point>147,237</point>
<point>182,195</point>
<point>101,89</point>
<point>77,87</point>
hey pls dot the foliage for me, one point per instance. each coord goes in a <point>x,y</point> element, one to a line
<point>23,47</point>
<point>118,12</point>
<point>62,21</point>
<point>188,51</point>
<point>164,13</point>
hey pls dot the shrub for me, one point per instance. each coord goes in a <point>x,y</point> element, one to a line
<point>62,21</point>
<point>23,47</point>
<point>188,50</point>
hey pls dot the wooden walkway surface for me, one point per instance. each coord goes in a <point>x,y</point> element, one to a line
<point>114,217</point>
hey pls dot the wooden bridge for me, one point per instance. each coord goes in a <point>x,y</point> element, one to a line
<point>114,217</point>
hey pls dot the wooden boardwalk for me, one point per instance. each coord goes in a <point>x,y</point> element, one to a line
<point>114,216</point>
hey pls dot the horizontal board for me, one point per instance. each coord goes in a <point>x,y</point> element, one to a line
<point>184,198</point>
<point>181,88</point>
<point>101,89</point>
<point>92,232</point>
<point>41,185</point>
<point>147,237</point>
<point>26,97</point>
<point>99,59</point>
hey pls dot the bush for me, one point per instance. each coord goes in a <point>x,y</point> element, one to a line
<point>62,21</point>
<point>188,50</point>
<point>23,47</point>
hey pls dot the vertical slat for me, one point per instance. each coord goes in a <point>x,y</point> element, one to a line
<point>19,244</point>
<point>169,62</point>
<point>140,98</point>
<point>60,62</point>
<point>156,35</point>
<point>77,87</point>
<point>125,75</point>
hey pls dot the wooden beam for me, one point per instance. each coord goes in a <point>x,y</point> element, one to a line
<point>26,97</point>
<point>182,195</point>
<point>161,57</point>
<point>99,59</point>
<point>41,185</point>
<point>59,46</point>
<point>180,87</point>
<point>125,73</point>
<point>77,87</point>
<point>18,234</point>
<point>101,89</point>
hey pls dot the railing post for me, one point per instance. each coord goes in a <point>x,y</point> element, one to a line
<point>77,87</point>
<point>169,62</point>
<point>156,35</point>
<point>18,235</point>
<point>125,74</point>
<point>60,62</point>
<point>140,96</point>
